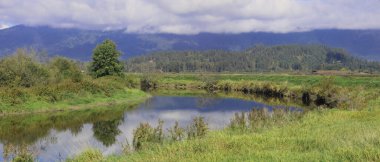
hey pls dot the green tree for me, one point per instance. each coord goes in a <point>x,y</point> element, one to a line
<point>106,60</point>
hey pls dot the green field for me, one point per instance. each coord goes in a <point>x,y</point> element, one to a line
<point>323,134</point>
<point>348,81</point>
<point>329,135</point>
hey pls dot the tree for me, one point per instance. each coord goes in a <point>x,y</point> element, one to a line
<point>106,60</point>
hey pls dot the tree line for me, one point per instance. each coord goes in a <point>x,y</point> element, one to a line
<point>256,59</point>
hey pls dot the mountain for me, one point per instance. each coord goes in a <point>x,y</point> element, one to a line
<point>257,59</point>
<point>78,44</point>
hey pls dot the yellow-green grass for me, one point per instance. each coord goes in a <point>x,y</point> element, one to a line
<point>121,96</point>
<point>324,135</point>
<point>292,79</point>
<point>321,135</point>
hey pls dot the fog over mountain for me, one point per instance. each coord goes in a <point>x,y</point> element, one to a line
<point>78,43</point>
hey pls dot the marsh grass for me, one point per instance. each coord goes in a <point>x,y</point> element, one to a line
<point>344,92</point>
<point>320,135</point>
<point>90,155</point>
<point>349,133</point>
<point>176,133</point>
<point>146,136</point>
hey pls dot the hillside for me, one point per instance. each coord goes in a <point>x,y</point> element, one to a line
<point>256,59</point>
<point>78,44</point>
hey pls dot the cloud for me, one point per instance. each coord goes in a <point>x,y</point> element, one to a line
<point>4,26</point>
<point>191,17</point>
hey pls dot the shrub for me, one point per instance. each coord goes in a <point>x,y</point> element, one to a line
<point>64,68</point>
<point>149,81</point>
<point>22,69</point>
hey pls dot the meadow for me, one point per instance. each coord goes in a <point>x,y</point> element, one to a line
<point>339,133</point>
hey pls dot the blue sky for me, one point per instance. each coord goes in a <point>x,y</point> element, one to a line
<point>193,16</point>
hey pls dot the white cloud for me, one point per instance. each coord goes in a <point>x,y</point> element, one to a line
<point>190,17</point>
<point>3,26</point>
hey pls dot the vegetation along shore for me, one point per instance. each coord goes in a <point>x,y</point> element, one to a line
<point>340,119</point>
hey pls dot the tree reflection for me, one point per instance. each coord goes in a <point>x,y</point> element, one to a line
<point>106,131</point>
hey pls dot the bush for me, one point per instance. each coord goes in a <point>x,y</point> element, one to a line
<point>22,69</point>
<point>64,68</point>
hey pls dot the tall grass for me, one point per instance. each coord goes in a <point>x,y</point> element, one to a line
<point>146,136</point>
<point>330,91</point>
<point>323,135</point>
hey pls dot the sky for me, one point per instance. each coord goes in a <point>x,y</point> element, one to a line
<point>193,16</point>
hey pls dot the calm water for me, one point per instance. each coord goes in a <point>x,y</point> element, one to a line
<point>53,137</point>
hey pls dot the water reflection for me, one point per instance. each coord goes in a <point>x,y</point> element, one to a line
<point>51,137</point>
<point>106,131</point>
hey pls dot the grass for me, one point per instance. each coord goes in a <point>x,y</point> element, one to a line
<point>320,135</point>
<point>69,95</point>
<point>123,96</point>
<point>324,135</point>
<point>367,81</point>
<point>328,91</point>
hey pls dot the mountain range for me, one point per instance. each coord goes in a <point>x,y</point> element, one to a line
<point>78,43</point>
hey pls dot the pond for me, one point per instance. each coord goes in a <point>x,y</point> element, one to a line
<point>54,137</point>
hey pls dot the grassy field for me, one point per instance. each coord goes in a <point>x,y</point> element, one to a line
<point>321,135</point>
<point>69,95</point>
<point>328,135</point>
<point>367,81</point>
<point>125,96</point>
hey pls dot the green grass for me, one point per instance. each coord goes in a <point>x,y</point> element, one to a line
<point>122,96</point>
<point>367,81</point>
<point>325,135</point>
<point>70,95</point>
<point>321,135</point>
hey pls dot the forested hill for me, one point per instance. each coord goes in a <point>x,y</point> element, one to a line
<point>256,59</point>
<point>78,44</point>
